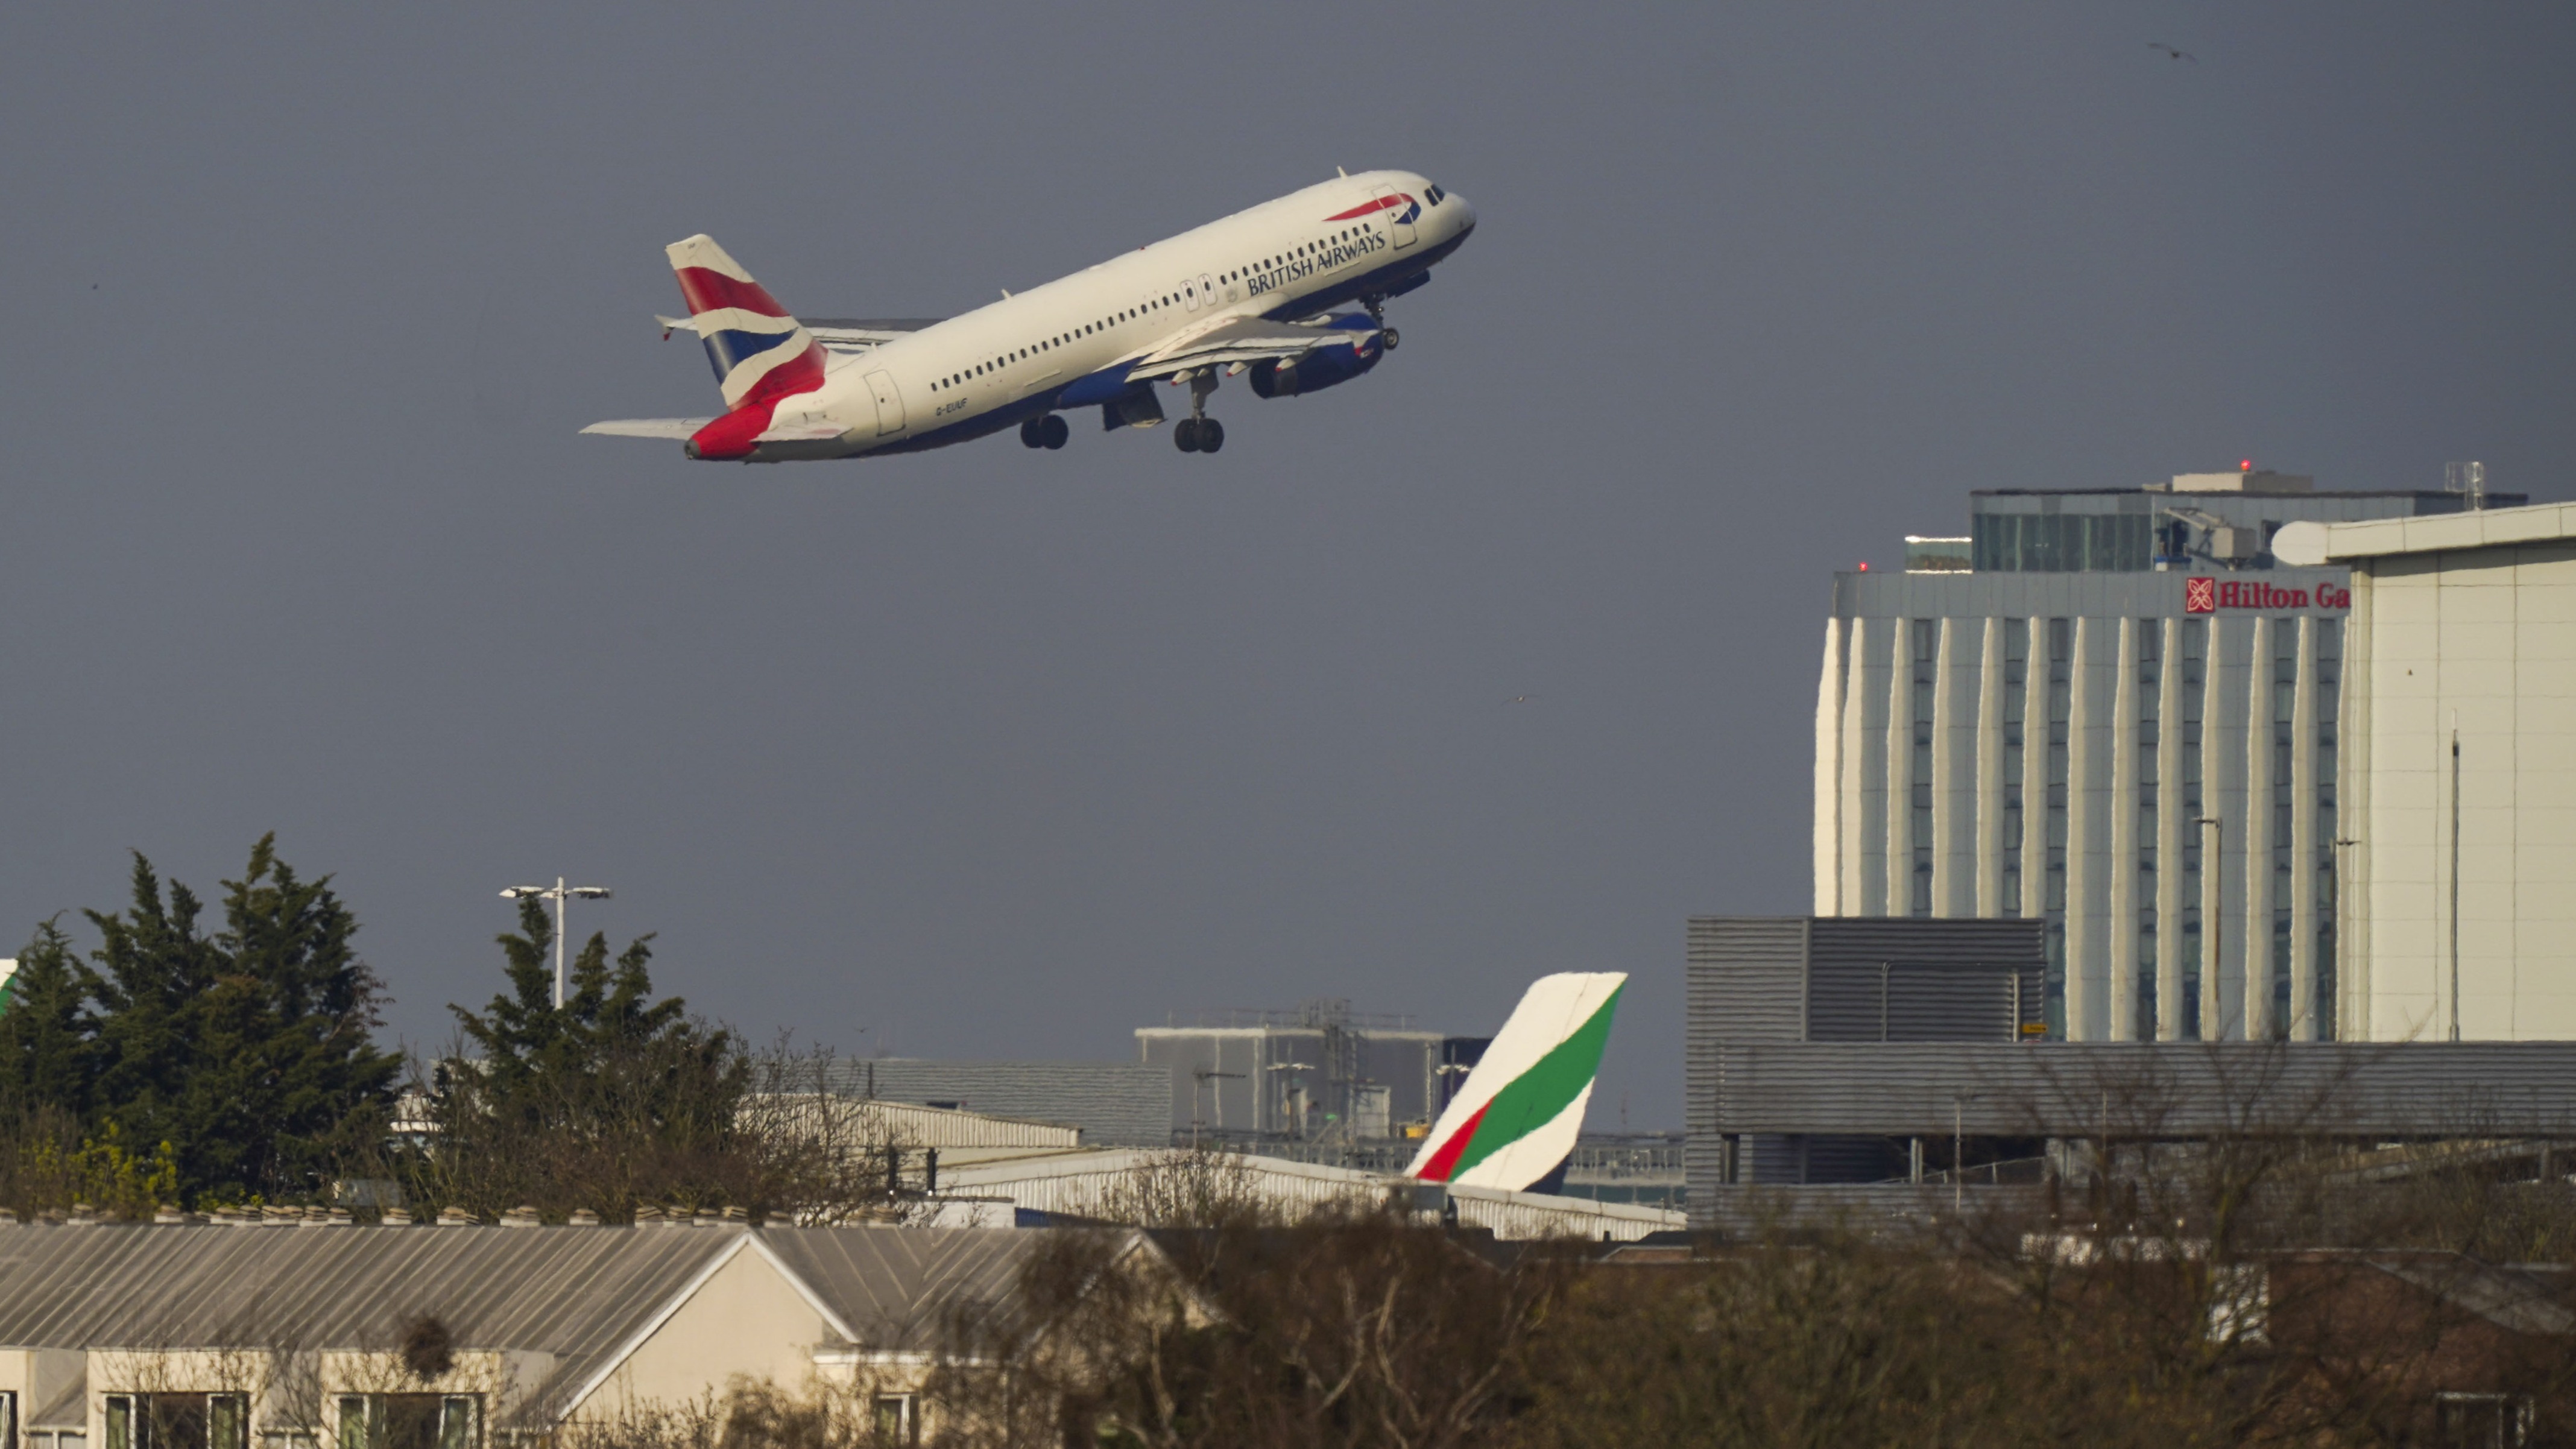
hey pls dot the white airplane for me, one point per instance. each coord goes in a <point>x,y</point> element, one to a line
<point>1254,292</point>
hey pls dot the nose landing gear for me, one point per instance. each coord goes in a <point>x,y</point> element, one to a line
<point>1199,433</point>
<point>1044,431</point>
<point>1375,302</point>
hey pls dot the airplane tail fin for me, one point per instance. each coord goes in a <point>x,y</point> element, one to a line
<point>759,350</point>
<point>1516,1119</point>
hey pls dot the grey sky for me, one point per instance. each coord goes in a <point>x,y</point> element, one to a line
<point>999,753</point>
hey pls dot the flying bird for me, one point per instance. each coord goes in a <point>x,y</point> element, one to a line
<point>2173,54</point>
<point>1520,699</point>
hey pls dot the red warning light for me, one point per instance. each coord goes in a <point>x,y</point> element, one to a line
<point>2245,467</point>
<point>1864,568</point>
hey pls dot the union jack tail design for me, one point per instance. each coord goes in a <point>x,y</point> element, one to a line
<point>760,353</point>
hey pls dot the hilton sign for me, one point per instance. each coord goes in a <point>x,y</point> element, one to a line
<point>2211,596</point>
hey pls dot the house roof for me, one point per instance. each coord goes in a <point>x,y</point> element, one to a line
<point>577,1294</point>
<point>2514,1299</point>
<point>584,1295</point>
<point>891,1288</point>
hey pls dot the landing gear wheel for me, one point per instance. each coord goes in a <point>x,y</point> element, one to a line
<point>1211,435</point>
<point>1185,435</point>
<point>1052,432</point>
<point>1390,337</point>
<point>1033,433</point>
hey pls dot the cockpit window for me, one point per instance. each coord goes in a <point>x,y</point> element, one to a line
<point>1435,193</point>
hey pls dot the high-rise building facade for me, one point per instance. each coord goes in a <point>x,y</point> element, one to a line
<point>2134,741</point>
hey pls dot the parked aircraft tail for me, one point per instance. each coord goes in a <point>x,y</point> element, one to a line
<point>1515,1121</point>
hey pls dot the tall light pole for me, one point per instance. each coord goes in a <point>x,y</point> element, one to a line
<point>557,893</point>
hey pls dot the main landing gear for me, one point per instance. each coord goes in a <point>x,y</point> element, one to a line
<point>1199,433</point>
<point>1044,431</point>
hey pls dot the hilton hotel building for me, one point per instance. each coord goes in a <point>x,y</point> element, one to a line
<point>2113,710</point>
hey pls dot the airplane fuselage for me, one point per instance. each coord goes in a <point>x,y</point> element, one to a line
<point>1078,341</point>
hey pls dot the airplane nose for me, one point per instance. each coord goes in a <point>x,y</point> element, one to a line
<point>1467,220</point>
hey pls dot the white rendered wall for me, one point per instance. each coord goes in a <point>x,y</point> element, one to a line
<point>1829,774</point>
<point>2481,642</point>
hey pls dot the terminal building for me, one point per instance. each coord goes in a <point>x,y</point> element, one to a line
<point>2120,719</point>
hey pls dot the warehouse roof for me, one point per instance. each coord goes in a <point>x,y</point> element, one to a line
<point>2308,543</point>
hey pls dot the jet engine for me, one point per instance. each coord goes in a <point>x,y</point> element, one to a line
<point>1322,367</point>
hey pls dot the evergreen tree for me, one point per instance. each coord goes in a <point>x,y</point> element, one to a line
<point>251,1050</point>
<point>610,1050</point>
<point>46,1056</point>
<point>614,1099</point>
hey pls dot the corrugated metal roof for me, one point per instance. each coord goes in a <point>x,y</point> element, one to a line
<point>574,1293</point>
<point>1079,1184</point>
<point>582,1295</point>
<point>1116,1104</point>
<point>909,1124</point>
<point>892,1286</point>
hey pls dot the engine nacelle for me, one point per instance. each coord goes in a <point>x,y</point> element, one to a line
<point>1322,367</point>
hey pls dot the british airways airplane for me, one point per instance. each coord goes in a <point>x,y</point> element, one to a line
<point>1255,292</point>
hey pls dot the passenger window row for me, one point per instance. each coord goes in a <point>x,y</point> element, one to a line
<point>1169,299</point>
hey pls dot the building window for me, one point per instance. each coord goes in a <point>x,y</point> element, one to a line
<point>2481,1421</point>
<point>410,1421</point>
<point>898,1419</point>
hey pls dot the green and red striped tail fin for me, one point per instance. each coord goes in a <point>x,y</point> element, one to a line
<point>1522,1107</point>
<point>8,978</point>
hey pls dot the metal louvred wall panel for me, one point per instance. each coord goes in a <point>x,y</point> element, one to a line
<point>1788,980</point>
<point>1922,980</point>
<point>2146,1089</point>
<point>1747,978</point>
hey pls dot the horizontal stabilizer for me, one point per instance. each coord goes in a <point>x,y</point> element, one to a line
<point>682,429</point>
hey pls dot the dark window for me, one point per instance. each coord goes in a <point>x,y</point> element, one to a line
<point>896,1421</point>
<point>411,1421</point>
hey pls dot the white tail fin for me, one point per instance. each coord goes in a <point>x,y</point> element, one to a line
<point>1517,1117</point>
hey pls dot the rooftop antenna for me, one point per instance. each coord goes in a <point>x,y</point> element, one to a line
<point>2469,479</point>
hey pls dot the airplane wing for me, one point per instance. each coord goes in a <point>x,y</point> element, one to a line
<point>839,332</point>
<point>680,428</point>
<point>1240,339</point>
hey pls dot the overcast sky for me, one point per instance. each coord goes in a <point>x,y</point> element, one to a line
<point>998,753</point>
